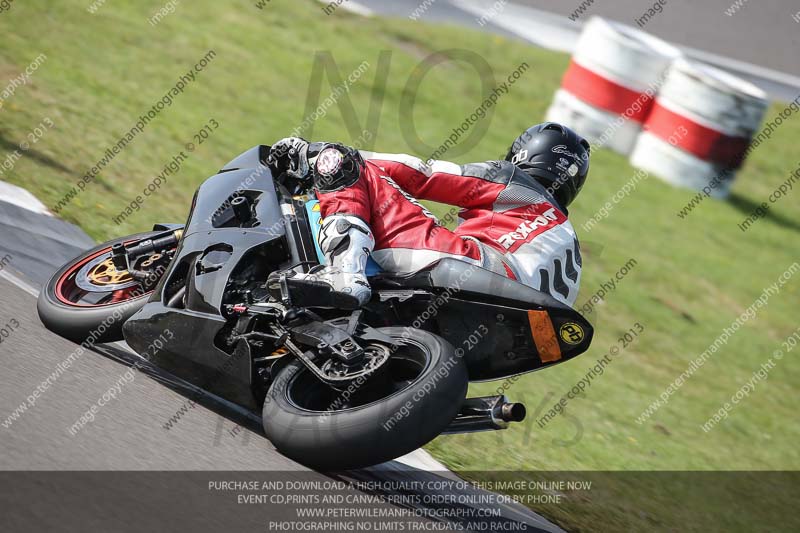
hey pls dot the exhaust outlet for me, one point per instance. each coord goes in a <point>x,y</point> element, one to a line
<point>487,413</point>
<point>513,412</point>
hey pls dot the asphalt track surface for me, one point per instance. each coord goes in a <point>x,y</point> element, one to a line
<point>762,33</point>
<point>759,42</point>
<point>213,438</point>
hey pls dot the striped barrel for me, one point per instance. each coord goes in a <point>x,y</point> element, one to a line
<point>700,127</point>
<point>609,87</point>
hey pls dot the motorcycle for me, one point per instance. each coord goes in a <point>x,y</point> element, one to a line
<point>337,389</point>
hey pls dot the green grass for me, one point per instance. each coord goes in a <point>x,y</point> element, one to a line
<point>692,279</point>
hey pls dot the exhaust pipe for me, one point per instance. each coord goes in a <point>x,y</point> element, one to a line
<point>488,413</point>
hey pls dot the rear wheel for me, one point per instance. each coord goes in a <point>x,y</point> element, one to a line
<point>89,299</point>
<point>409,400</point>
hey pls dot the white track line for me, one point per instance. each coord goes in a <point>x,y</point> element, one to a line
<point>358,9</point>
<point>349,5</point>
<point>422,460</point>
<point>22,198</point>
<point>19,282</point>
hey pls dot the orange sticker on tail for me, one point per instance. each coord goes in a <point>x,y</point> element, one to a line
<point>544,336</point>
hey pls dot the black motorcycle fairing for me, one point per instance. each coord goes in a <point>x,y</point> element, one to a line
<point>192,353</point>
<point>250,158</point>
<point>213,207</point>
<point>469,300</point>
<point>213,244</point>
<point>212,263</point>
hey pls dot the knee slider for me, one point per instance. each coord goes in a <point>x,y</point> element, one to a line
<point>335,232</point>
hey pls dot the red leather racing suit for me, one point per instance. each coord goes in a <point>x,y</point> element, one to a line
<point>508,222</point>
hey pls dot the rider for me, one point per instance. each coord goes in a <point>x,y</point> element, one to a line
<point>513,216</point>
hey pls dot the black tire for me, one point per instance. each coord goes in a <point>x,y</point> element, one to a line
<point>375,432</point>
<point>79,323</point>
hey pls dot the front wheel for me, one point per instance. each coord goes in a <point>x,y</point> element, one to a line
<point>411,399</point>
<point>89,299</point>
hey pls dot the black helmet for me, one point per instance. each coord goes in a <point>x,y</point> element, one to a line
<point>333,165</point>
<point>555,156</point>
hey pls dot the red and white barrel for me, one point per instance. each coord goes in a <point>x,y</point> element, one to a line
<point>701,124</point>
<point>610,84</point>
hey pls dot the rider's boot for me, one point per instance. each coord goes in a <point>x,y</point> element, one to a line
<point>346,242</point>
